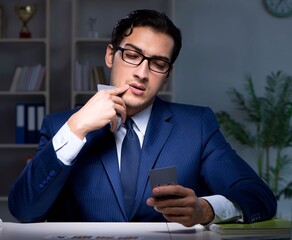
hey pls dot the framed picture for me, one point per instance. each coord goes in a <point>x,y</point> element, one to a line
<point>1,21</point>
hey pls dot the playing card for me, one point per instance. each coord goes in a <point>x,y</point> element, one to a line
<point>163,177</point>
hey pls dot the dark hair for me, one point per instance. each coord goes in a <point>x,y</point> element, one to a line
<point>150,18</point>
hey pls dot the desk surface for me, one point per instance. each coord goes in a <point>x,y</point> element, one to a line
<point>107,231</point>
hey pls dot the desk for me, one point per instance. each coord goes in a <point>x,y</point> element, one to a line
<point>107,231</point>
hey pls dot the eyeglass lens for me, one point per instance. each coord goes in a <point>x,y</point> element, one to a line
<point>136,58</point>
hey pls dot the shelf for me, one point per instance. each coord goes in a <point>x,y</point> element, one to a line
<point>17,146</point>
<point>3,199</point>
<point>22,40</point>
<point>26,93</point>
<point>92,40</point>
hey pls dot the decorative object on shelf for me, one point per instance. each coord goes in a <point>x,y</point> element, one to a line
<point>279,8</point>
<point>268,130</point>
<point>92,33</point>
<point>25,14</point>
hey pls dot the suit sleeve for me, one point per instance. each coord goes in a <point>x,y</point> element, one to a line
<point>227,174</point>
<point>38,186</point>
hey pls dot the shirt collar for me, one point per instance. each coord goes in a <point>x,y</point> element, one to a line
<point>141,119</point>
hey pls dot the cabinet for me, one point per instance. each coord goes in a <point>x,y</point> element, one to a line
<point>20,52</point>
<point>92,23</point>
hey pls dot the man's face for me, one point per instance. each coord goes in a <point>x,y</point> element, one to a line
<point>144,83</point>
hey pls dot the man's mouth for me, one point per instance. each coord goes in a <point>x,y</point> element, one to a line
<point>137,89</point>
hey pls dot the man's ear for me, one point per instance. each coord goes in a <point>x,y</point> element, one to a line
<point>109,56</point>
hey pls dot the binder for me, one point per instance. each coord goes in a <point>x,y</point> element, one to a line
<point>31,131</point>
<point>20,124</point>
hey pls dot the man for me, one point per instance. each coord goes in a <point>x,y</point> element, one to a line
<point>77,172</point>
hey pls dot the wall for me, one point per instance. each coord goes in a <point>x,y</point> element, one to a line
<point>223,41</point>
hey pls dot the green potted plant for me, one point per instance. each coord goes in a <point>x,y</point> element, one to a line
<point>266,128</point>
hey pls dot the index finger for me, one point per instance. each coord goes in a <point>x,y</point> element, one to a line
<point>113,89</point>
<point>119,90</point>
<point>170,190</point>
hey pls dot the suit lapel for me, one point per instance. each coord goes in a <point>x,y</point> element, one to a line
<point>108,154</point>
<point>157,132</point>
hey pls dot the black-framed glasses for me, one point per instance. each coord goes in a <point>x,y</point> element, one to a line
<point>136,58</point>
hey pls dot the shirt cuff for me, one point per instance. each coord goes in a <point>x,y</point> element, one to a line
<point>67,145</point>
<point>224,209</point>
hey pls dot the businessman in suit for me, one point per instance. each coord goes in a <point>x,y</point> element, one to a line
<point>77,172</point>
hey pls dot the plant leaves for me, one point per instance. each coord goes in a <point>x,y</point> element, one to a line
<point>265,127</point>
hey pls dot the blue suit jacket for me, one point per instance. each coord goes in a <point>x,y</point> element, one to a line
<point>90,190</point>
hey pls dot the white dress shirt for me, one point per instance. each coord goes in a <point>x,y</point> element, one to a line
<point>67,146</point>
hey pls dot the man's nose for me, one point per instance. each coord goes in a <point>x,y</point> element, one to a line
<point>142,70</point>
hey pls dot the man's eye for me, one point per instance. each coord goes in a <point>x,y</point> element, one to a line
<point>159,64</point>
<point>132,55</point>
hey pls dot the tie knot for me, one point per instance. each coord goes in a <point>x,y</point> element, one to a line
<point>129,123</point>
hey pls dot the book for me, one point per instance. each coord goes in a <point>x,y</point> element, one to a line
<point>272,227</point>
<point>28,78</point>
<point>40,80</point>
<point>15,79</point>
<point>23,79</point>
<point>35,78</point>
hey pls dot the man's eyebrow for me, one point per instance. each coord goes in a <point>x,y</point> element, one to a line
<point>140,50</point>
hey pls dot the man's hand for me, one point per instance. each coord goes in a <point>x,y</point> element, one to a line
<point>186,209</point>
<point>100,110</point>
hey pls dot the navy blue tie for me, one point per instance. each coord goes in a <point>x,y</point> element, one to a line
<point>130,157</point>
